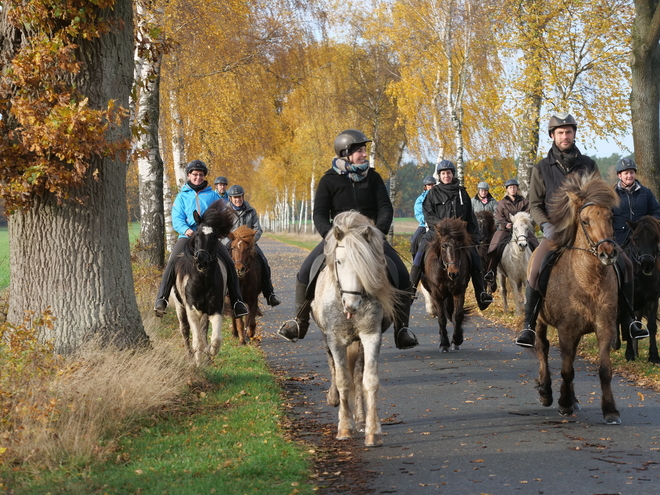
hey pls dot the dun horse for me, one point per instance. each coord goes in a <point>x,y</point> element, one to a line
<point>201,284</point>
<point>643,251</point>
<point>581,294</point>
<point>353,305</point>
<point>248,269</point>
<point>447,275</point>
<point>515,257</point>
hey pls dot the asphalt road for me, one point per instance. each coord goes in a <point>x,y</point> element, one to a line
<point>468,422</point>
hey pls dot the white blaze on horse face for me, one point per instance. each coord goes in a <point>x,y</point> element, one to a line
<point>350,288</point>
<point>206,230</point>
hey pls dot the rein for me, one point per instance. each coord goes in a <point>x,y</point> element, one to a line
<point>593,246</point>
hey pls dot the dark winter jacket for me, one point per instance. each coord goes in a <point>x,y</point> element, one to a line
<point>450,201</point>
<point>508,206</point>
<point>245,216</point>
<point>338,193</point>
<point>635,202</point>
<point>547,176</point>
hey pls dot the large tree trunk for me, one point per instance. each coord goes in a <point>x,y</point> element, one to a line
<point>75,258</point>
<point>644,98</point>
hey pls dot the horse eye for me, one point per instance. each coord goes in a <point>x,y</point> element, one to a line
<point>585,222</point>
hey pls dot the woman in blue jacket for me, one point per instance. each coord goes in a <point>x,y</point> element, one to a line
<point>195,195</point>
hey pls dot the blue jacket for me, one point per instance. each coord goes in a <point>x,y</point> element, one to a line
<point>186,202</point>
<point>419,211</point>
<point>635,203</point>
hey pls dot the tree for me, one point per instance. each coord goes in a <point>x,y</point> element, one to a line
<point>68,72</point>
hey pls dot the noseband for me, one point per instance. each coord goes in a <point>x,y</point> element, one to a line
<point>212,256</point>
<point>593,246</point>
<point>447,264</point>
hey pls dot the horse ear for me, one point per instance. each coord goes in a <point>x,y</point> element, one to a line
<point>197,218</point>
<point>339,234</point>
<point>631,224</point>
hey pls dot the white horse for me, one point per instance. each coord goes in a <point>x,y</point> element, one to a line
<point>353,305</point>
<point>515,258</point>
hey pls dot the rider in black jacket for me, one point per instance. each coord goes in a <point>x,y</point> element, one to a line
<point>351,185</point>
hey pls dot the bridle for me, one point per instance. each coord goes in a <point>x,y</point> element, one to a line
<point>361,293</point>
<point>447,264</point>
<point>593,246</point>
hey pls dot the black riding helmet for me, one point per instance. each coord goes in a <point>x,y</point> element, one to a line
<point>236,190</point>
<point>446,165</point>
<point>349,141</point>
<point>560,120</point>
<point>197,165</point>
<point>220,180</point>
<point>626,164</point>
<point>511,182</point>
<point>430,181</point>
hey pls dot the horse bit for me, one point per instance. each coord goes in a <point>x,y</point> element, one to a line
<point>593,245</point>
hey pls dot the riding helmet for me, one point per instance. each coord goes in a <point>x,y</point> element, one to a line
<point>483,185</point>
<point>221,180</point>
<point>511,182</point>
<point>430,181</point>
<point>560,120</point>
<point>197,165</point>
<point>349,141</point>
<point>236,190</point>
<point>626,164</point>
<point>446,165</point>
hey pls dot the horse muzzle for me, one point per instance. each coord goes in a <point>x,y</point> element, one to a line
<point>522,246</point>
<point>607,252</point>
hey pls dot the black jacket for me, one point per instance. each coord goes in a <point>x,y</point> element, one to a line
<point>449,201</point>
<point>337,193</point>
<point>634,204</point>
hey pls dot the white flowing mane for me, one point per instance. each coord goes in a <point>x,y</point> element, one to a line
<point>365,255</point>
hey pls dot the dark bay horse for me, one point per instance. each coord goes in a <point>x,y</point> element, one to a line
<point>447,269</point>
<point>201,283</point>
<point>581,294</point>
<point>248,269</point>
<point>643,252</point>
<point>487,228</point>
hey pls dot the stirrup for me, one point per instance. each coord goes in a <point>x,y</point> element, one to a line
<point>272,300</point>
<point>289,336</point>
<point>240,309</point>
<point>490,276</point>
<point>526,338</point>
<point>642,327</point>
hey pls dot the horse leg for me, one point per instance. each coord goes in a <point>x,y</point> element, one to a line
<point>184,327</point>
<point>216,334</point>
<point>355,353</point>
<point>199,340</point>
<point>518,297</point>
<point>652,325</point>
<point>241,329</point>
<point>610,412</point>
<point>373,434</point>
<point>345,427</point>
<point>630,348</point>
<point>332,396</point>
<point>234,327</point>
<point>458,316</point>
<point>252,324</point>
<point>544,386</point>
<point>567,399</point>
<point>503,289</point>
<point>442,324</point>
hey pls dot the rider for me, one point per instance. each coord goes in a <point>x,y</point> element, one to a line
<point>195,194</point>
<point>350,184</point>
<point>483,200</point>
<point>635,201</point>
<point>247,215</point>
<point>448,199</point>
<point>511,204</point>
<point>221,187</point>
<point>429,182</point>
<point>547,176</point>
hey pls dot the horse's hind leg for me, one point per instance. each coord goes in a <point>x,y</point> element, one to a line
<point>373,435</point>
<point>608,406</point>
<point>544,386</point>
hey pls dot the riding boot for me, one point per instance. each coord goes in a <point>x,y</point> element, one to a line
<point>404,338</point>
<point>527,335</point>
<point>266,284</point>
<point>483,298</point>
<point>627,318</point>
<point>489,277</point>
<point>293,330</point>
<point>415,276</point>
<point>233,288</point>
<point>169,277</point>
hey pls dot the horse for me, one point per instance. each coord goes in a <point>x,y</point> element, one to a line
<point>354,303</point>
<point>447,269</point>
<point>248,269</point>
<point>581,292</point>
<point>515,258</point>
<point>486,226</point>
<point>201,284</point>
<point>643,252</point>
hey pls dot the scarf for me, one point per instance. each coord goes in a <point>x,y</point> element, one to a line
<point>238,208</point>
<point>195,188</point>
<point>356,173</point>
<point>566,158</point>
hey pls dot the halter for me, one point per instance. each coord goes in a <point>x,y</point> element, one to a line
<point>342,291</point>
<point>592,245</point>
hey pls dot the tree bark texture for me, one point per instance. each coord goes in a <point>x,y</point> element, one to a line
<point>74,258</point>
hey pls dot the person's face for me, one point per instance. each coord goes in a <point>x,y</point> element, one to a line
<point>428,186</point>
<point>359,156</point>
<point>196,177</point>
<point>221,188</point>
<point>483,193</point>
<point>236,200</point>
<point>512,190</point>
<point>446,176</point>
<point>564,137</point>
<point>627,177</point>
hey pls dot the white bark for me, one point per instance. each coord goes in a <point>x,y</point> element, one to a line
<point>178,142</point>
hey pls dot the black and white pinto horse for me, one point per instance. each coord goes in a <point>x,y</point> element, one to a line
<point>201,284</point>
<point>353,305</point>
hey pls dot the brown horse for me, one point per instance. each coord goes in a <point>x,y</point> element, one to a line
<point>581,294</point>
<point>643,251</point>
<point>447,269</point>
<point>486,226</point>
<point>248,269</point>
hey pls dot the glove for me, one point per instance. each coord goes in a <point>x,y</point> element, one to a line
<point>548,230</point>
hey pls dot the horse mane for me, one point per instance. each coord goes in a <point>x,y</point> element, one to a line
<point>219,217</point>
<point>565,204</point>
<point>647,222</point>
<point>364,245</point>
<point>245,234</point>
<point>453,228</point>
<point>488,219</point>
<point>523,217</point>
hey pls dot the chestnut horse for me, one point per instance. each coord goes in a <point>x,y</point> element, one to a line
<point>447,269</point>
<point>581,293</point>
<point>643,252</point>
<point>248,269</point>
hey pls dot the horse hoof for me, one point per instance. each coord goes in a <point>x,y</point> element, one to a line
<point>344,434</point>
<point>545,401</point>
<point>444,348</point>
<point>577,406</point>
<point>565,411</point>
<point>373,440</point>
<point>612,419</point>
<point>455,347</point>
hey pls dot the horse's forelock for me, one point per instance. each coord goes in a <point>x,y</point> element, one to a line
<point>453,228</point>
<point>245,234</point>
<point>648,223</point>
<point>219,217</point>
